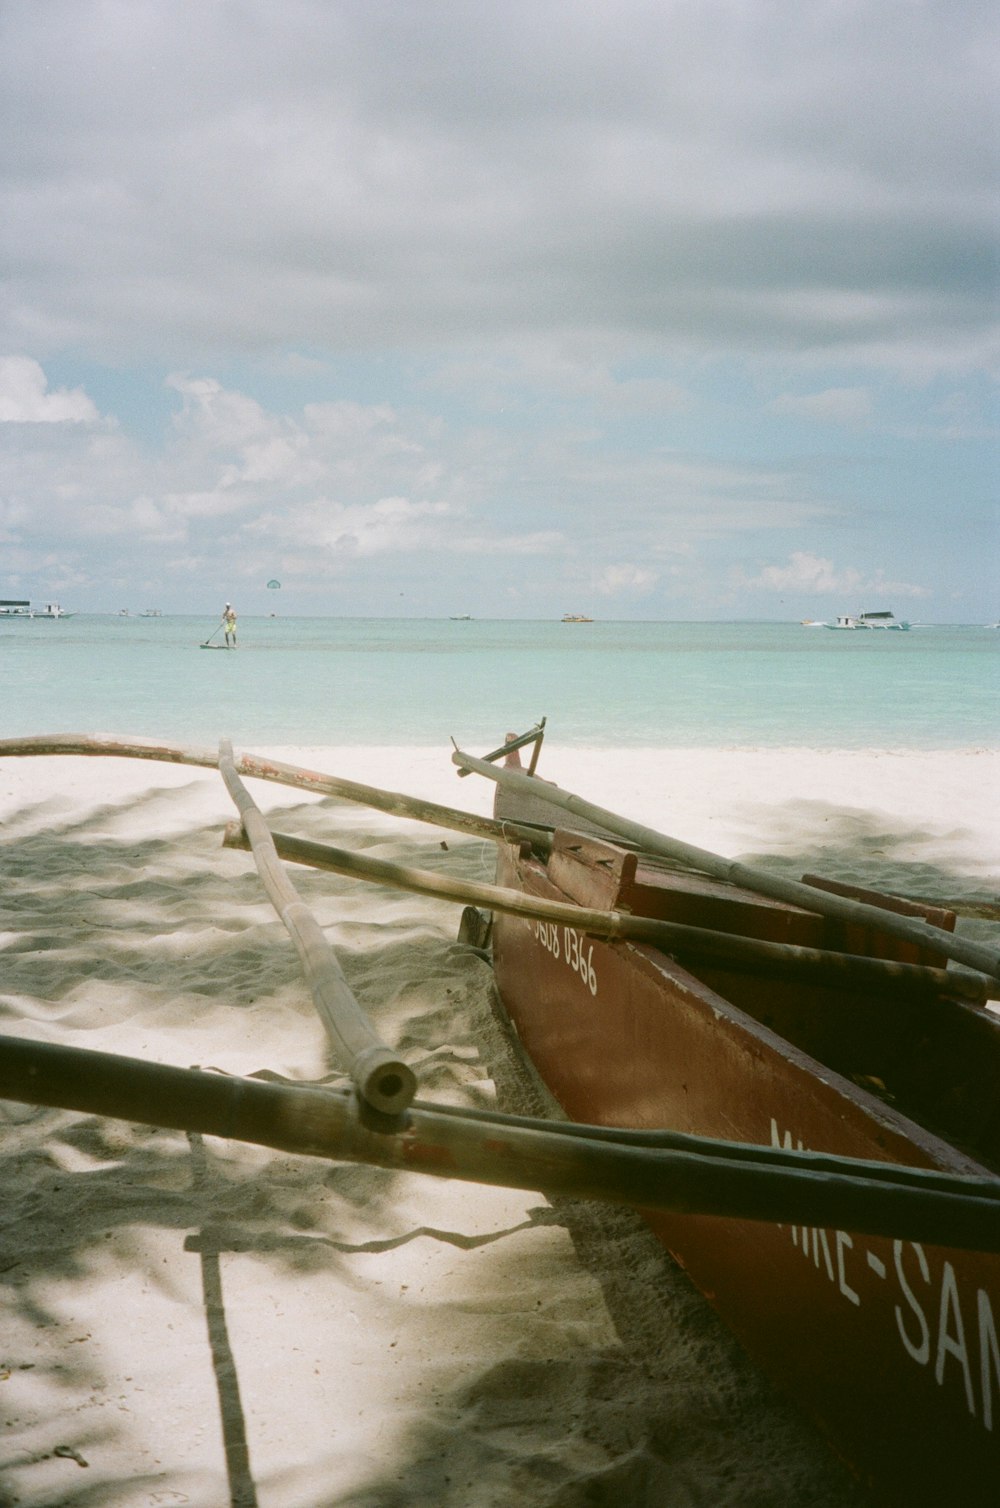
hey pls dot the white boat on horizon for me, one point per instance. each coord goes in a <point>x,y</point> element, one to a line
<point>21,608</point>
<point>880,620</point>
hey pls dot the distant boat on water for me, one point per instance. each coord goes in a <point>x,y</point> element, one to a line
<point>881,620</point>
<point>20,608</point>
<point>152,612</point>
<point>461,618</point>
<point>575,618</point>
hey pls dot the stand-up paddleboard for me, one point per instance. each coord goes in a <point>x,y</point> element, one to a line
<point>207,643</point>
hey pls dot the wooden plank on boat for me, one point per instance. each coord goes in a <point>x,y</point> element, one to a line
<point>837,970</point>
<point>865,938</point>
<point>961,949</point>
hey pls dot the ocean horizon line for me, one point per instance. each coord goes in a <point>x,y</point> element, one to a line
<point>264,617</point>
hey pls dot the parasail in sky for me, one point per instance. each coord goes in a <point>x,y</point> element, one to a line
<point>273,585</point>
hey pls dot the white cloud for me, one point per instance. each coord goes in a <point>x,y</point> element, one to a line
<point>25,398</point>
<point>207,504</point>
<point>278,460</point>
<point>140,519</point>
<point>349,420</point>
<point>583,372</point>
<point>834,405</point>
<point>148,519</point>
<point>805,573</point>
<point>626,580</point>
<point>391,525</point>
<point>340,532</point>
<point>218,416</point>
<point>12,518</point>
<point>317,180</point>
<point>538,542</point>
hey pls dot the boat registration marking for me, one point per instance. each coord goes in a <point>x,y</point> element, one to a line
<point>940,1322</point>
<point>571,948</point>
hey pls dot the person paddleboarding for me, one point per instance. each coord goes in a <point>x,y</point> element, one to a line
<point>229,624</point>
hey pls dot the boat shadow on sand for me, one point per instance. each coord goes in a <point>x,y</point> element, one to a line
<point>326,1333</point>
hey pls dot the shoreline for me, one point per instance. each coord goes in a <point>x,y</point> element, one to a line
<point>194,1319</point>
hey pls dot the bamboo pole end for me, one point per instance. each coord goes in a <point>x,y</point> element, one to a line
<point>384,1081</point>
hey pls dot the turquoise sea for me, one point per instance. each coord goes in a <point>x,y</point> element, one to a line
<point>420,682</point>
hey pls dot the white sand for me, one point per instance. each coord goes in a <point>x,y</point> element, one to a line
<point>205,1323</point>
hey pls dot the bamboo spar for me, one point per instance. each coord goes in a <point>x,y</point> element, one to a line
<point>383,1080</point>
<point>689,1175</point>
<point>960,949</point>
<point>394,802</point>
<point>818,965</point>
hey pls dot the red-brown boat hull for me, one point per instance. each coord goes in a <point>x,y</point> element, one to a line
<point>891,1346</point>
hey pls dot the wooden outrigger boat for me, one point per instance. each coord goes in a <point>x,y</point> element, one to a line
<point>891,1344</point>
<point>785,1079</point>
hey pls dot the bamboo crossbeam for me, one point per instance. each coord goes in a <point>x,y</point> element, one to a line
<point>816,965</point>
<point>960,949</point>
<point>382,1078</point>
<point>699,1178</point>
<point>395,803</point>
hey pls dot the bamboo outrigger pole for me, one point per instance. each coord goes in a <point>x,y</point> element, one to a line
<point>819,965</point>
<point>382,1079</point>
<point>961,949</point>
<point>395,803</point>
<point>688,1175</point>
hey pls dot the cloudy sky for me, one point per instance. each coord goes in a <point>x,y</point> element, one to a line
<point>641,308</point>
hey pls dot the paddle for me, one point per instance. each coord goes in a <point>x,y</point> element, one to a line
<point>207,642</point>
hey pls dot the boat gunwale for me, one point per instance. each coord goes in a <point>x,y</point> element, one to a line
<point>942,1153</point>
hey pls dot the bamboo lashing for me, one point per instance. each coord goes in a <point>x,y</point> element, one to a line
<point>382,1078</point>
<point>533,736</point>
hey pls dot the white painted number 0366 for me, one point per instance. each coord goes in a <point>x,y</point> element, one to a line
<point>569,945</point>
